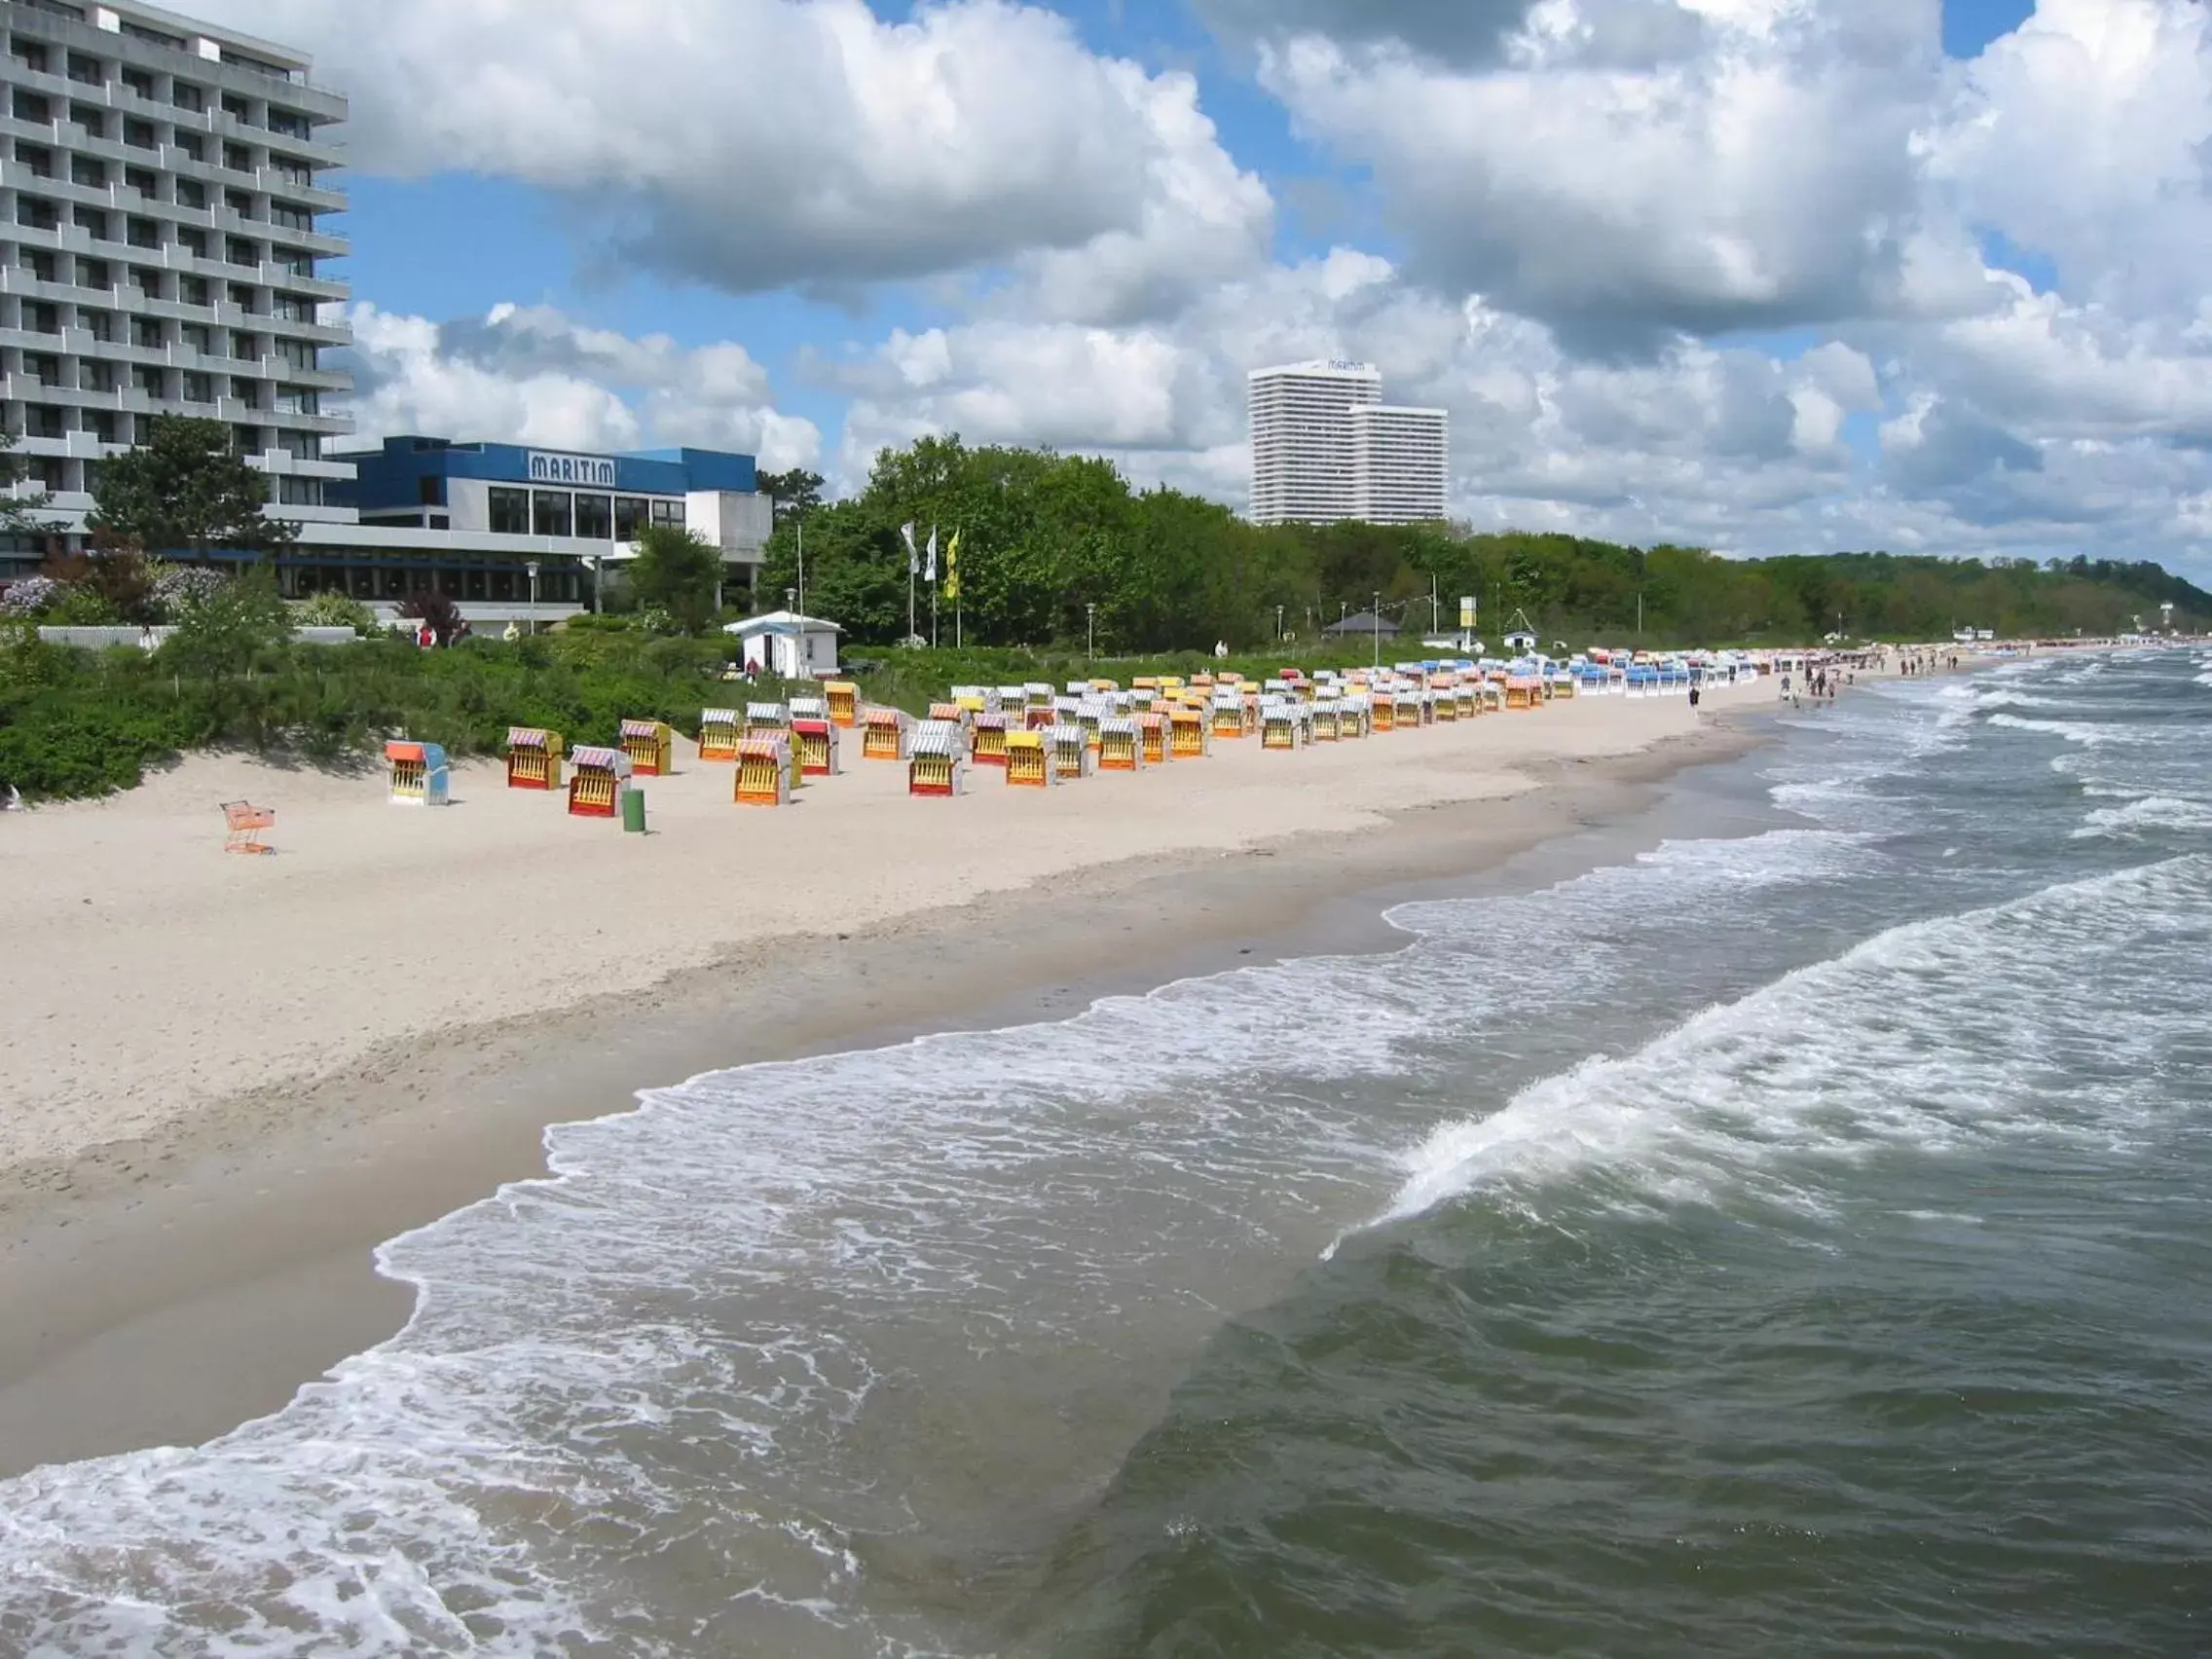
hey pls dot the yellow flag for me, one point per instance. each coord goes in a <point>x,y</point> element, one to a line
<point>952,568</point>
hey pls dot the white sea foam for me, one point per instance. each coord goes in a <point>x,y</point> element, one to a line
<point>2146,814</point>
<point>1931,1035</point>
<point>2073,731</point>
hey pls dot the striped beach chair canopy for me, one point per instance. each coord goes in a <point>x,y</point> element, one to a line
<point>528,737</point>
<point>594,758</point>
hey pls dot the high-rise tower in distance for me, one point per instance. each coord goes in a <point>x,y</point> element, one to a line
<point>1326,447</point>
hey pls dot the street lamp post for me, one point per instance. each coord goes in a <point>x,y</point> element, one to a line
<point>1375,617</point>
<point>531,567</point>
<point>1278,624</point>
<point>1090,631</point>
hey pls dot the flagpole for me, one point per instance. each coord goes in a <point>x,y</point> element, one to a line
<point>956,596</point>
<point>933,587</point>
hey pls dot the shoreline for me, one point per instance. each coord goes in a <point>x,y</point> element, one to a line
<point>167,1292</point>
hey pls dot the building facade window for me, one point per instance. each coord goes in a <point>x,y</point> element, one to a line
<point>595,518</point>
<point>669,512</point>
<point>551,513</point>
<point>508,511</point>
<point>631,513</point>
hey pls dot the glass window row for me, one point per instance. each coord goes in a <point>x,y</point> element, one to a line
<point>584,514</point>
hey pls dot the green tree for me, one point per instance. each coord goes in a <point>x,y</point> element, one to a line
<point>19,514</point>
<point>677,570</point>
<point>185,492</point>
<point>796,492</point>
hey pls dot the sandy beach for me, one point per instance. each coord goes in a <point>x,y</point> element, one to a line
<point>230,1077</point>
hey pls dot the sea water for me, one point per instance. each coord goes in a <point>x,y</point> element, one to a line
<point>1792,1241</point>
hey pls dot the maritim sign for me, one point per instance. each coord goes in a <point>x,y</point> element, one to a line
<point>595,470</point>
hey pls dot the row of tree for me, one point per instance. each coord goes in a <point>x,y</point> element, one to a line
<point>1047,537</point>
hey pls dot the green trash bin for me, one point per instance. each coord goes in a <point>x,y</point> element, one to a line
<point>634,809</point>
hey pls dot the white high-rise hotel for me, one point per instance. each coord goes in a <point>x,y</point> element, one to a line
<point>1326,447</point>
<point>159,245</point>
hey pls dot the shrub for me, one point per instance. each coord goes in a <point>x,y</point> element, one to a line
<point>332,610</point>
<point>82,608</point>
<point>179,587</point>
<point>31,596</point>
<point>230,630</point>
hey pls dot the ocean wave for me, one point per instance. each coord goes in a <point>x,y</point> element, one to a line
<point>1931,1035</point>
<point>2073,731</point>
<point>2145,813</point>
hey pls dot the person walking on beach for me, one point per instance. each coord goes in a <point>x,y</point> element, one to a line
<point>1693,699</point>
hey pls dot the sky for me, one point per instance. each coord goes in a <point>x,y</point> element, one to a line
<point>1763,276</point>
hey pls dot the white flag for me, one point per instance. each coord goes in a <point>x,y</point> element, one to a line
<point>930,574</point>
<point>914,559</point>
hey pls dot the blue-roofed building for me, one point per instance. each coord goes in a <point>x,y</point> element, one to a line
<point>471,519</point>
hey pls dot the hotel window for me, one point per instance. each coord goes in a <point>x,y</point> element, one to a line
<point>146,378</point>
<point>595,518</point>
<point>245,440</point>
<point>146,333</point>
<point>100,422</point>
<point>237,109</point>
<point>146,184</point>
<point>53,472</point>
<point>85,71</point>
<point>42,318</point>
<point>42,421</point>
<point>39,262</point>
<point>42,368</point>
<point>89,172</point>
<point>195,337</point>
<point>141,428</point>
<point>92,222</point>
<point>30,53</point>
<point>147,281</point>
<point>92,122</point>
<point>550,512</point>
<point>191,193</point>
<point>192,145</point>
<point>37,214</point>
<point>34,159</point>
<point>194,291</point>
<point>508,511</point>
<point>143,233</point>
<point>239,201</point>
<point>139,83</point>
<point>246,347</point>
<point>631,514</point>
<point>287,122</point>
<point>95,274</point>
<point>192,241</point>
<point>292,172</point>
<point>95,376</point>
<point>199,388</point>
<point>431,490</point>
<point>669,512</point>
<point>185,96</point>
<point>31,107</point>
<point>140,135</point>
<point>100,324</point>
<point>241,296</point>
<point>291,218</point>
<point>238,158</point>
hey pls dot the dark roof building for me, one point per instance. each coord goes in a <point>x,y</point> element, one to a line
<point>1361,625</point>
